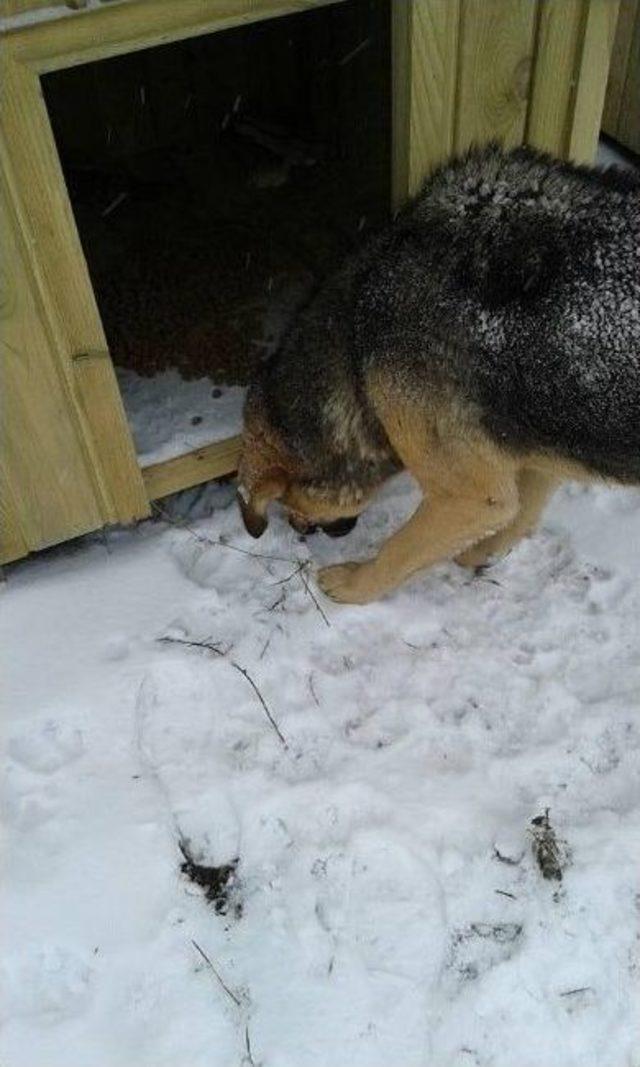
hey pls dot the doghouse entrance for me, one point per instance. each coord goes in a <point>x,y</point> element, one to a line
<point>215,182</point>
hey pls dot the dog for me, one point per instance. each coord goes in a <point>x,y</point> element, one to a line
<point>487,341</point>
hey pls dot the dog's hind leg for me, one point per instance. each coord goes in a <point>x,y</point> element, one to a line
<point>471,494</point>
<point>534,489</point>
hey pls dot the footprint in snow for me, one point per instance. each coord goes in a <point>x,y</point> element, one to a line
<point>51,983</point>
<point>46,747</point>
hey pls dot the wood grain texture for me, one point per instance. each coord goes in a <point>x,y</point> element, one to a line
<point>109,30</point>
<point>496,49</point>
<point>201,465</point>
<point>628,129</point>
<point>619,65</point>
<point>425,68</point>
<point>47,489</point>
<point>591,79</point>
<point>621,115</point>
<point>557,54</point>
<point>39,193</point>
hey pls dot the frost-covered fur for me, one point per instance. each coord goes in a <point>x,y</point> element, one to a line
<point>511,285</point>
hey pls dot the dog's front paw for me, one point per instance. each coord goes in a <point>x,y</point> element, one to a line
<point>348,583</point>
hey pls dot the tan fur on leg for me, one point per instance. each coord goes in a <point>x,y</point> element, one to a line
<point>534,489</point>
<point>471,494</point>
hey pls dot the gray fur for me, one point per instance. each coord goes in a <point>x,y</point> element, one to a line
<point>512,283</point>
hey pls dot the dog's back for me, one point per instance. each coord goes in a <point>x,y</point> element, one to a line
<point>514,281</point>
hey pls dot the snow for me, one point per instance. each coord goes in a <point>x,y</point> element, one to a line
<point>392,908</point>
<point>169,416</point>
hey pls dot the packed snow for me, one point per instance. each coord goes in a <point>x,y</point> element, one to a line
<point>169,416</point>
<point>367,777</point>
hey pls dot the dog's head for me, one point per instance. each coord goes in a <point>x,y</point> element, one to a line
<point>270,471</point>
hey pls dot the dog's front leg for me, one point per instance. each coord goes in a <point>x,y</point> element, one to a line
<point>442,527</point>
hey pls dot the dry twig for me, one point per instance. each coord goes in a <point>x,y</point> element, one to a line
<point>310,592</point>
<point>211,647</point>
<point>236,1000</point>
<point>203,539</point>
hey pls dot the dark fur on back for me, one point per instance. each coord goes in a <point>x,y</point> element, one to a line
<point>512,283</point>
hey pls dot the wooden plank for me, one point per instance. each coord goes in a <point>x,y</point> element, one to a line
<point>48,492</point>
<point>591,79</point>
<point>114,28</point>
<point>558,43</point>
<point>496,47</point>
<point>201,465</point>
<point>401,19</point>
<point>628,128</point>
<point>620,55</point>
<point>39,193</point>
<point>425,64</point>
<point>13,540</point>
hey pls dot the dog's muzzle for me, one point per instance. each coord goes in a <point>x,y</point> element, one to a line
<point>339,528</point>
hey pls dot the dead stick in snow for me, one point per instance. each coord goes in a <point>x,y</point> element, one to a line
<point>182,525</point>
<point>210,647</point>
<point>247,1042</point>
<point>236,1000</point>
<point>260,697</point>
<point>313,597</point>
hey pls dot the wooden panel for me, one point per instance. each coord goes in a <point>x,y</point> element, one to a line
<point>629,12</point>
<point>425,64</point>
<point>628,130</point>
<point>47,487</point>
<point>496,47</point>
<point>38,187</point>
<point>621,116</point>
<point>13,539</point>
<point>591,79</point>
<point>211,461</point>
<point>112,29</point>
<point>558,44</point>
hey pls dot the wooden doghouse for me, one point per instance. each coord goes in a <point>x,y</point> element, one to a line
<point>459,72</point>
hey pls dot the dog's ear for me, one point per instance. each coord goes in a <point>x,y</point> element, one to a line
<point>253,505</point>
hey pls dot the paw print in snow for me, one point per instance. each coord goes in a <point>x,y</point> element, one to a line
<point>47,747</point>
<point>51,983</point>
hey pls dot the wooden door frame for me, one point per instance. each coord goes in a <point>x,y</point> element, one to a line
<point>565,81</point>
<point>31,166</point>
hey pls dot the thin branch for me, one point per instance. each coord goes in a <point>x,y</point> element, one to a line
<point>314,598</point>
<point>312,691</point>
<point>210,646</point>
<point>300,565</point>
<point>247,1042</point>
<point>572,992</point>
<point>281,599</point>
<point>217,543</point>
<point>294,573</point>
<point>260,697</point>
<point>236,1000</point>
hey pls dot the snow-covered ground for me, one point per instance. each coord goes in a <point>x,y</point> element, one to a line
<point>392,910</point>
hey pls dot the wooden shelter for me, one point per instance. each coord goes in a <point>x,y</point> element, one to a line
<point>460,72</point>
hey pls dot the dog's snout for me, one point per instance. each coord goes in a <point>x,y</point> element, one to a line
<point>340,528</point>
<point>301,525</point>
